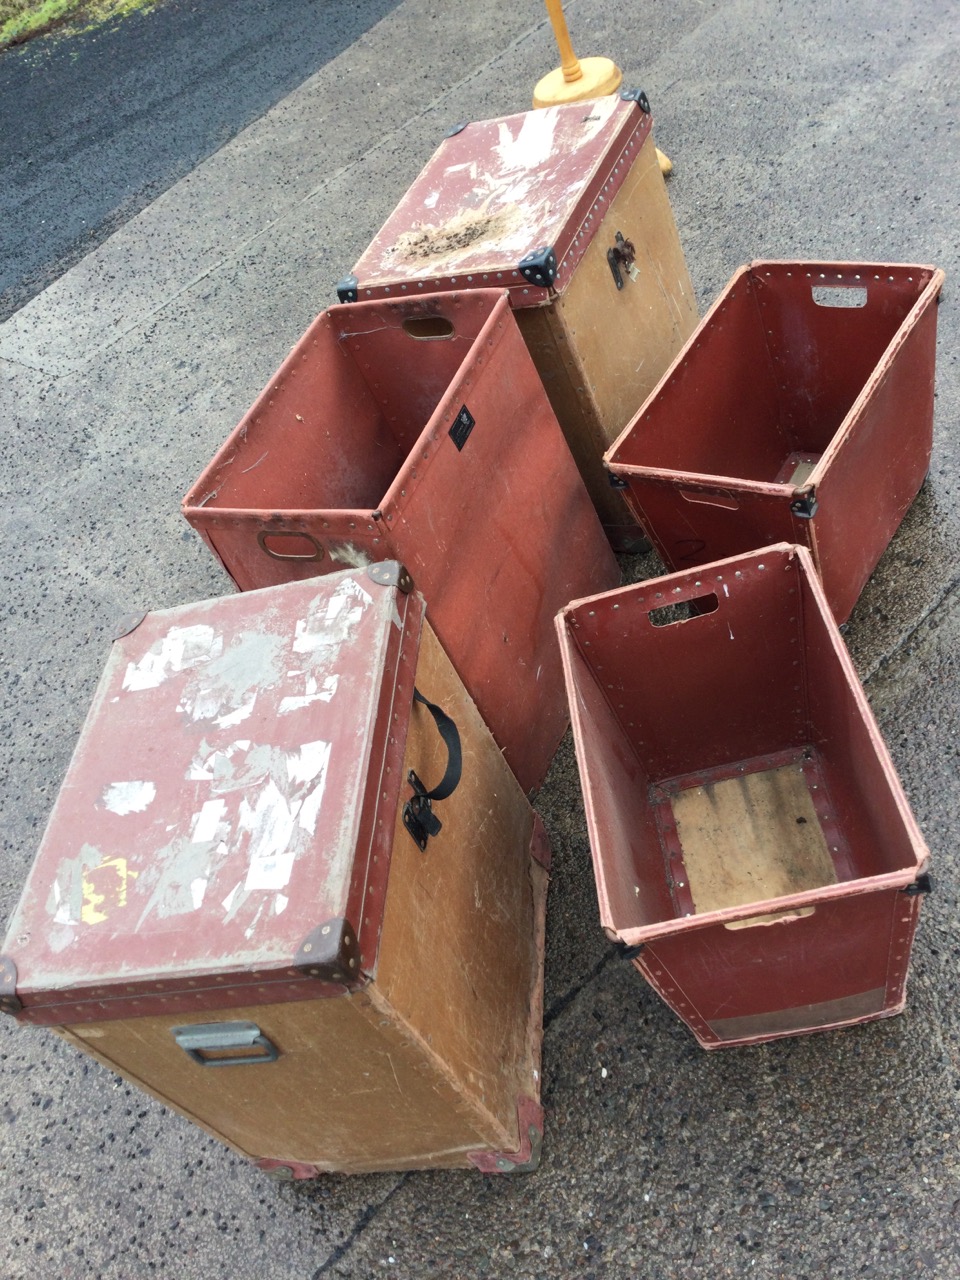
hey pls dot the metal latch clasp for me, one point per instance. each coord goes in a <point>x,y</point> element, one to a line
<point>623,254</point>
<point>418,815</point>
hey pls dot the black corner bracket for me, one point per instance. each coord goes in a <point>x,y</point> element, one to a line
<point>456,128</point>
<point>624,952</point>
<point>348,290</point>
<point>10,1002</point>
<point>805,506</point>
<point>639,97</point>
<point>922,884</point>
<point>539,267</point>
<point>331,953</point>
<point>390,573</point>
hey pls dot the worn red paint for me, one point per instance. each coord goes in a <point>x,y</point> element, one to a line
<point>500,189</point>
<point>761,681</point>
<point>800,409</point>
<point>221,805</point>
<point>373,442</point>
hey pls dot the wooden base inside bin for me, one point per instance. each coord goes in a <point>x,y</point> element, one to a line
<point>750,838</point>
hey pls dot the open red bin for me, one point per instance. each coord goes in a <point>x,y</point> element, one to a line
<point>799,410</point>
<point>418,430</point>
<point>747,826</point>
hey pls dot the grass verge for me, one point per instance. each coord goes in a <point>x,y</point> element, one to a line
<point>23,20</point>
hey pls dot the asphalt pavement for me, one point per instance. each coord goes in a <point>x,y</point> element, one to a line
<point>96,124</point>
<point>795,132</point>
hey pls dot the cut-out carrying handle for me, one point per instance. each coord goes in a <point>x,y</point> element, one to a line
<point>683,593</point>
<point>722,498</point>
<point>429,328</point>
<point>418,815</point>
<point>846,297</point>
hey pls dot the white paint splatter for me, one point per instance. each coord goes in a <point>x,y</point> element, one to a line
<point>311,760</point>
<point>310,809</point>
<point>129,797</point>
<point>251,928</point>
<point>280,903</point>
<point>62,914</point>
<point>205,768</point>
<point>349,598</point>
<point>307,639</point>
<point>229,899</point>
<point>198,888</point>
<point>532,146</point>
<point>314,693</point>
<point>230,718</point>
<point>431,200</point>
<point>270,823</point>
<point>207,821</point>
<point>180,649</point>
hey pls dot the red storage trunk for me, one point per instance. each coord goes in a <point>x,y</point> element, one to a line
<point>245,905</point>
<point>418,430</point>
<point>566,207</point>
<point>748,830</point>
<point>800,410</point>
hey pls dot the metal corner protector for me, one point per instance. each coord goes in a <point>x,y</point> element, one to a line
<point>539,267</point>
<point>527,1156</point>
<point>639,97</point>
<point>348,290</point>
<point>390,573</point>
<point>10,1002</point>
<point>331,953</point>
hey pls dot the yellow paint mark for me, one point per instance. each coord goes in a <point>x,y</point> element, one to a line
<point>93,901</point>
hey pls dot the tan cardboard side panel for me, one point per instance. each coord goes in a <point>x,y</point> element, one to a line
<point>574,405</point>
<point>351,1091</point>
<point>460,959</point>
<point>625,339</point>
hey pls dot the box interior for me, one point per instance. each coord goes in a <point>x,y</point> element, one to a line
<point>338,422</point>
<point>723,752</point>
<point>765,384</point>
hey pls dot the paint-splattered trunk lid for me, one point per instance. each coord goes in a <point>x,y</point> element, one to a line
<point>216,838</point>
<point>512,203</point>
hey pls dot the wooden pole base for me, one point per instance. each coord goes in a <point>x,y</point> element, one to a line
<point>599,77</point>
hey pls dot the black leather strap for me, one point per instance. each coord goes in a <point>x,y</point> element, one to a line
<point>451,737</point>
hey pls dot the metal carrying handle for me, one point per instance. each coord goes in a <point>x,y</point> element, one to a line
<point>201,1040</point>
<point>418,815</point>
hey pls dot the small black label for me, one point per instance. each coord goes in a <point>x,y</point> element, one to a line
<point>462,426</point>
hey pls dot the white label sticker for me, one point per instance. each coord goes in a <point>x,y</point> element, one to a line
<point>129,797</point>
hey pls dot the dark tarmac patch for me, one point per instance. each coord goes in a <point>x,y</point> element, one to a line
<point>96,127</point>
